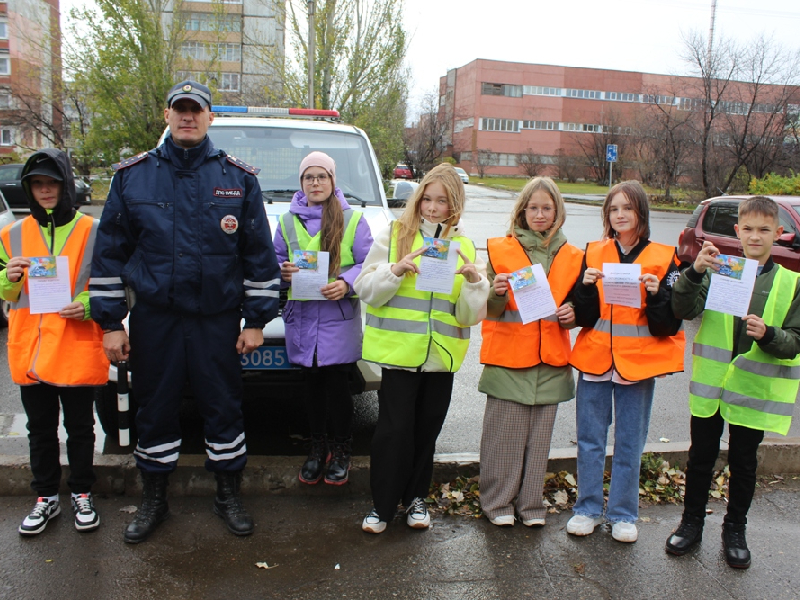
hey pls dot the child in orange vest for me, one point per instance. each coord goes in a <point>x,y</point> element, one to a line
<point>54,356</point>
<point>527,372</point>
<point>620,351</point>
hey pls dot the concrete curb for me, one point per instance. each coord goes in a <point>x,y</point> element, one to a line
<point>117,474</point>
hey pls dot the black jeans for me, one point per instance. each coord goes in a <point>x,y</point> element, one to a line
<point>743,444</point>
<point>412,409</point>
<point>41,402</point>
<point>327,395</point>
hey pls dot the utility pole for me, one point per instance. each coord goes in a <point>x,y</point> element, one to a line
<point>711,29</point>
<point>312,50</point>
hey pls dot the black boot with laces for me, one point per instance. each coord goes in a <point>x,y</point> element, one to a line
<point>688,534</point>
<point>734,541</point>
<point>339,464</point>
<point>314,467</point>
<point>154,509</point>
<point>228,503</point>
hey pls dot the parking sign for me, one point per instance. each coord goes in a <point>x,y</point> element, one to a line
<point>611,152</point>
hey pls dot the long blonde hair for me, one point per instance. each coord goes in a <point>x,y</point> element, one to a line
<point>407,226</point>
<point>549,187</point>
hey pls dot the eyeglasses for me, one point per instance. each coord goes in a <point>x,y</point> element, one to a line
<point>546,210</point>
<point>310,179</point>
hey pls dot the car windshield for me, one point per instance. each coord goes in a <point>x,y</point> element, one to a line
<point>279,151</point>
<point>10,173</point>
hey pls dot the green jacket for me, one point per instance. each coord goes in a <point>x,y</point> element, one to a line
<point>689,298</point>
<point>542,384</point>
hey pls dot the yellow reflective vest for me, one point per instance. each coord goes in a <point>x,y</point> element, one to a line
<point>755,389</point>
<point>399,333</point>
<point>297,238</point>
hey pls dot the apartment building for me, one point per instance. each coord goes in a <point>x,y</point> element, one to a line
<point>513,109</point>
<point>233,43</point>
<point>30,55</point>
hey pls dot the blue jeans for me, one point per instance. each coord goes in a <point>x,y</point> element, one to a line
<point>632,404</point>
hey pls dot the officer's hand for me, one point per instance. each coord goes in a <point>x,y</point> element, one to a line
<point>707,258</point>
<point>15,268</point>
<point>566,315</point>
<point>756,328</point>
<point>116,345</point>
<point>73,310</point>
<point>250,339</point>
<point>500,284</point>
<point>407,264</point>
<point>287,269</point>
<point>335,290</point>
<point>591,275</point>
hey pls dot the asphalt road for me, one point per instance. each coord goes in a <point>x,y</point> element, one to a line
<point>275,421</point>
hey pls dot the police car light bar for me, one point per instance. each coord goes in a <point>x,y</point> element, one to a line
<point>267,111</point>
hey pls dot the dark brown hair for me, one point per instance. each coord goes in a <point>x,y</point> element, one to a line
<point>760,205</point>
<point>636,195</point>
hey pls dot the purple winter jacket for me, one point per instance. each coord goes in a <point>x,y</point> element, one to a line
<point>331,328</point>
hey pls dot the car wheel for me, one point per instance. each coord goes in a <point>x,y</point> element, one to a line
<point>5,308</point>
<point>105,400</point>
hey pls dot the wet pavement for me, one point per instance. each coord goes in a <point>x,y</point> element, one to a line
<point>315,549</point>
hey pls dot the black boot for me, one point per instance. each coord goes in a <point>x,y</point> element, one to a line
<point>312,469</point>
<point>733,540</point>
<point>228,503</point>
<point>686,536</point>
<point>154,508</point>
<point>339,465</point>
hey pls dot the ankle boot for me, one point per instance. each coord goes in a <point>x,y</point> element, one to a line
<point>154,507</point>
<point>228,503</point>
<point>312,469</point>
<point>688,534</point>
<point>339,465</point>
<point>734,541</point>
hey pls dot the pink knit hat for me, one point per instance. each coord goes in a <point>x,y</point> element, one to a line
<point>319,159</point>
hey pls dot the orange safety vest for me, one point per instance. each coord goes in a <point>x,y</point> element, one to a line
<point>509,343</point>
<point>46,348</point>
<point>621,337</point>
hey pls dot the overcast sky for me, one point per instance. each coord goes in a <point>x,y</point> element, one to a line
<point>629,35</point>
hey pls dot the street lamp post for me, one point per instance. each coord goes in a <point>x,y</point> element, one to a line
<point>312,36</point>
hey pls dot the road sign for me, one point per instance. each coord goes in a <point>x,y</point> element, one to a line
<point>611,152</point>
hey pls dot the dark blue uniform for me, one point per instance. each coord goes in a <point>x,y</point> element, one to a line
<point>185,230</point>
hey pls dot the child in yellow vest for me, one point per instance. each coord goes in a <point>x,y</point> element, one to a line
<point>527,372</point>
<point>733,357</point>
<point>54,356</point>
<point>420,339</point>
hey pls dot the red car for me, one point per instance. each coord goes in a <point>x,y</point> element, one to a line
<point>402,171</point>
<point>713,220</point>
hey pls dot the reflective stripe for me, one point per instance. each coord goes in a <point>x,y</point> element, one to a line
<point>401,325</point>
<point>227,446</point>
<point>712,353</point>
<point>407,303</point>
<point>513,316</point>
<point>290,229</point>
<point>783,409</point>
<point>767,369</point>
<point>228,456</point>
<point>105,281</point>
<point>159,448</point>
<point>267,293</point>
<point>86,264</point>
<point>170,458</point>
<point>444,306</point>
<point>261,284</point>
<point>15,237</point>
<point>703,390</point>
<point>111,294</point>
<point>460,333</point>
<point>605,326</point>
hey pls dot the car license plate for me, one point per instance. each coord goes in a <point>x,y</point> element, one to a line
<point>266,357</point>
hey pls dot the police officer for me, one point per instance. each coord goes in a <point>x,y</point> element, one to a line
<point>184,237</point>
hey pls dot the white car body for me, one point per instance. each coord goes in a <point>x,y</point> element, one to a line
<point>463,174</point>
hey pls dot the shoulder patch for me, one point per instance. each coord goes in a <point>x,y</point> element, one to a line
<point>672,278</point>
<point>129,161</point>
<point>243,165</point>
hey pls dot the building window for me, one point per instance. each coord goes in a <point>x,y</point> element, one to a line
<point>657,99</point>
<point>501,89</point>
<point>587,94</point>
<point>5,65</point>
<point>540,90</point>
<point>545,125</point>
<point>3,30</point>
<point>229,82</point>
<point>209,51</point>
<point>226,82</point>
<point>5,100</point>
<point>500,125</point>
<point>621,96</point>
<point>213,22</point>
<point>6,137</point>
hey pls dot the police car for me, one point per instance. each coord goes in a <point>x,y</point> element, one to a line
<point>276,140</point>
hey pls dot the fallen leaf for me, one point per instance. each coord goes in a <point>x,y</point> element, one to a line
<point>337,567</point>
<point>664,440</point>
<point>580,568</point>
<point>129,509</point>
<point>570,480</point>
<point>263,565</point>
<point>561,498</point>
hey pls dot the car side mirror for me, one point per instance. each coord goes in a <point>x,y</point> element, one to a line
<point>789,239</point>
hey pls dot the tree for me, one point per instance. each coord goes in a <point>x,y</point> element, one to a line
<point>482,158</point>
<point>530,163</point>
<point>615,130</point>
<point>424,141</point>
<point>124,61</point>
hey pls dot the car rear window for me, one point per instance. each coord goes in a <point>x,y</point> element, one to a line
<point>720,219</point>
<point>695,215</point>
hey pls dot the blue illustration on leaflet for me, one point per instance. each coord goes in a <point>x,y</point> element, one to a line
<point>437,247</point>
<point>43,266</point>
<point>305,259</point>
<point>522,278</point>
<point>732,266</point>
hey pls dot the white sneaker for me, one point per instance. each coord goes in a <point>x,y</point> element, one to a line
<point>624,532</point>
<point>372,523</point>
<point>503,521</point>
<point>583,525</point>
<point>417,514</point>
<point>42,512</point>
<point>533,522</point>
<point>86,517</point>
